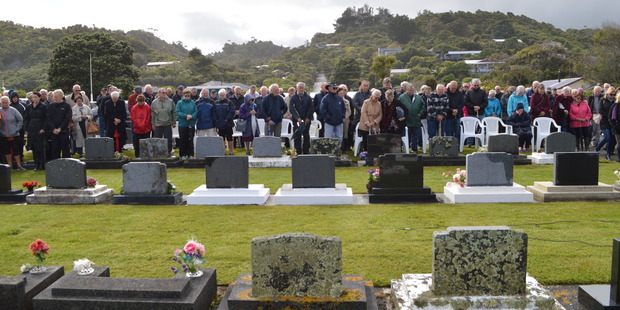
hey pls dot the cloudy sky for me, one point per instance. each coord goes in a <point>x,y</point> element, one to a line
<point>208,25</point>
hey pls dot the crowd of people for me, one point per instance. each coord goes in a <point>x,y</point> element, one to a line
<point>57,126</point>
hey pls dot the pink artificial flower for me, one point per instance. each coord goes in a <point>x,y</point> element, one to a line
<point>456,178</point>
<point>200,248</point>
<point>462,185</point>
<point>177,252</point>
<point>190,247</point>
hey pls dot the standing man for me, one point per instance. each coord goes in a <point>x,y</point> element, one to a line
<point>132,99</point>
<point>595,101</point>
<point>44,98</point>
<point>455,100</point>
<point>387,84</point>
<point>59,115</point>
<point>476,100</point>
<point>223,119</point>
<point>163,117</point>
<point>264,91</point>
<point>76,91</point>
<point>274,108</point>
<point>148,94</point>
<point>316,101</point>
<point>237,99</point>
<point>333,111</point>
<point>178,95</point>
<point>100,110</point>
<point>358,100</point>
<point>302,110</point>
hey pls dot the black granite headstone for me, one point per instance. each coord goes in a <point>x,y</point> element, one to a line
<point>5,179</point>
<point>401,180</point>
<point>383,143</point>
<point>401,171</point>
<point>503,143</point>
<point>314,171</point>
<point>560,142</point>
<point>615,272</point>
<point>17,292</point>
<point>489,169</point>
<point>227,171</point>
<point>576,168</point>
<point>99,148</point>
<point>604,296</point>
<point>65,173</point>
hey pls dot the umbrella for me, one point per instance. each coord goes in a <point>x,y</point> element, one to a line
<point>299,131</point>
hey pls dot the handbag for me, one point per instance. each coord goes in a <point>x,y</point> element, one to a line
<point>241,125</point>
<point>92,128</point>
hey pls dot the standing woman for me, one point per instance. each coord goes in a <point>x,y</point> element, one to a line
<point>614,122</point>
<point>115,115</point>
<point>141,121</point>
<point>580,116</point>
<point>370,118</point>
<point>187,113</point>
<point>608,138</point>
<point>81,114</point>
<point>560,107</point>
<point>540,105</point>
<point>10,124</point>
<point>247,112</point>
<point>34,124</point>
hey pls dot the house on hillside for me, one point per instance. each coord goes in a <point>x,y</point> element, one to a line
<point>458,55</point>
<point>387,51</point>
<point>157,64</point>
<point>482,66</point>
<point>577,82</point>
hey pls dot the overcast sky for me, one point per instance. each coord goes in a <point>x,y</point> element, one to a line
<point>208,25</point>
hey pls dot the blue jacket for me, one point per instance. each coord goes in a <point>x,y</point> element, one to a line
<point>493,107</point>
<point>332,109</point>
<point>224,113</point>
<point>186,107</point>
<point>206,114</point>
<point>273,108</point>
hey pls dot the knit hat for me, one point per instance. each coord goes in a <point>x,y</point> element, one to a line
<point>138,90</point>
<point>519,106</point>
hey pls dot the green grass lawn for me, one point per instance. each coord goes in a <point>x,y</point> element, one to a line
<point>569,242</point>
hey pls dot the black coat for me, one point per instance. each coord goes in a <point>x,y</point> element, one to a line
<point>59,116</point>
<point>112,111</point>
<point>301,106</point>
<point>35,119</point>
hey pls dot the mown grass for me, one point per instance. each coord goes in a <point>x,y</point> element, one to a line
<point>380,242</point>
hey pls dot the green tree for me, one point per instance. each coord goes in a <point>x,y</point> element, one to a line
<point>401,29</point>
<point>546,58</point>
<point>347,71</point>
<point>381,67</point>
<point>607,53</point>
<point>112,62</point>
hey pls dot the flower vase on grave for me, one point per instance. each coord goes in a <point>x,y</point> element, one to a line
<point>194,274</point>
<point>38,269</point>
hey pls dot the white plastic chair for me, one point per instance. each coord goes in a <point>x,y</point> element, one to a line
<point>261,126</point>
<point>357,143</point>
<point>491,127</point>
<point>235,132</point>
<point>469,127</point>
<point>315,127</point>
<point>287,129</point>
<point>424,135</point>
<point>541,128</point>
<point>405,140</point>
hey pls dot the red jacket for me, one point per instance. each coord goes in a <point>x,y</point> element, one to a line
<point>539,103</point>
<point>132,101</point>
<point>141,118</point>
<point>579,111</point>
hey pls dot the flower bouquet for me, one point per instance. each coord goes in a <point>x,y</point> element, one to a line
<point>190,257</point>
<point>459,177</point>
<point>30,185</point>
<point>83,266</point>
<point>91,182</point>
<point>39,249</point>
<point>374,175</point>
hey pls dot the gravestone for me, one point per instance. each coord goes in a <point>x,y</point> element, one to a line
<point>154,148</point>
<point>99,148</point>
<point>302,265</point>
<point>227,171</point>
<point>470,261</point>
<point>401,180</point>
<point>560,142</point>
<point>17,292</point>
<point>575,168</point>
<point>5,179</point>
<point>328,146</point>
<point>267,147</point>
<point>145,178</point>
<point>444,146</point>
<point>65,173</point>
<point>99,291</point>
<point>382,143</point>
<point>604,296</point>
<point>489,169</point>
<point>209,146</point>
<point>314,171</point>
<point>503,143</point>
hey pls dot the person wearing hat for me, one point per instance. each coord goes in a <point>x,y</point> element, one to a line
<point>132,99</point>
<point>521,122</point>
<point>333,112</point>
<point>179,94</point>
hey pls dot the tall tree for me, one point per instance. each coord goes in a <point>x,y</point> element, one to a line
<point>401,28</point>
<point>347,71</point>
<point>112,62</point>
<point>381,67</point>
<point>607,52</point>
